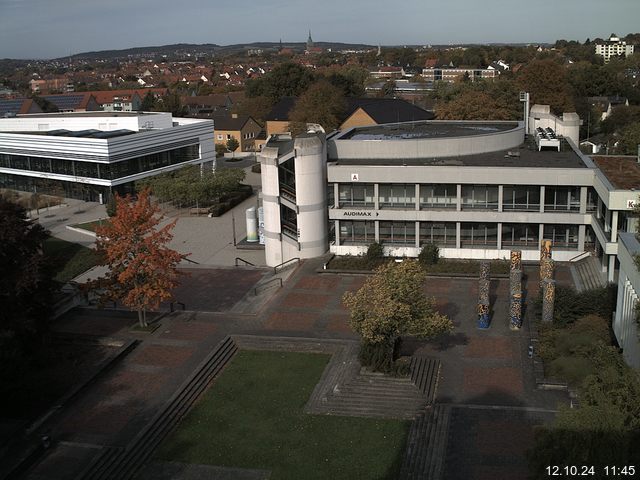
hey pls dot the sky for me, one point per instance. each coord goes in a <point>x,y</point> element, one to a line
<point>57,28</point>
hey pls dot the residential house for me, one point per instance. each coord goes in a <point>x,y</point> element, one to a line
<point>18,106</point>
<point>243,128</point>
<point>614,47</point>
<point>74,102</point>
<point>605,105</point>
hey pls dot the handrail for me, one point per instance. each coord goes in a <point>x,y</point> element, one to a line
<point>296,259</point>
<point>189,260</point>
<point>579,255</point>
<point>266,285</point>
<point>244,261</point>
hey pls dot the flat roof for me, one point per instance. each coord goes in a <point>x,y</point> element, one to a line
<point>526,155</point>
<point>428,129</point>
<point>90,133</point>
<point>87,114</point>
<point>622,171</point>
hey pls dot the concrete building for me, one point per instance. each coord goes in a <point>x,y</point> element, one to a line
<point>614,47</point>
<point>90,155</point>
<point>477,189</point>
<point>625,323</point>
<point>452,74</point>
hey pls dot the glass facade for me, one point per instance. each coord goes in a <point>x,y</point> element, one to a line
<point>481,235</point>
<point>105,171</point>
<point>480,197</point>
<point>356,195</point>
<point>398,233</point>
<point>397,195</point>
<point>438,196</point>
<point>357,233</point>
<point>442,234</point>
<point>521,198</point>
<point>287,179</point>
<point>520,235</point>
<point>562,198</point>
<point>564,237</point>
<point>289,222</point>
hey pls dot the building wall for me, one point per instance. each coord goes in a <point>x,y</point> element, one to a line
<point>359,118</point>
<point>625,326</point>
<point>277,126</point>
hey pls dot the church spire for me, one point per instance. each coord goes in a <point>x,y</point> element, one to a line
<point>309,42</point>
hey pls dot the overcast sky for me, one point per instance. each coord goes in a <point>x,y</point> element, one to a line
<point>55,28</point>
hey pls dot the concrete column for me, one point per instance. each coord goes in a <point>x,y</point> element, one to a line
<point>376,203</point>
<point>458,242</point>
<point>541,200</point>
<point>583,200</point>
<point>459,201</point>
<point>607,221</point>
<point>612,266</point>
<point>614,226</point>
<point>336,195</point>
<point>337,227</point>
<point>540,235</point>
<point>417,234</point>
<point>377,230</point>
<point>417,196</point>
<point>500,196</point>
<point>599,204</point>
<point>582,231</point>
<point>500,229</point>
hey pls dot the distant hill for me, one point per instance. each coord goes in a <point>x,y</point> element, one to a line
<point>207,48</point>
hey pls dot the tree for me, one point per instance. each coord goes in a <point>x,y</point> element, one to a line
<point>285,80</point>
<point>392,303</point>
<point>142,269</point>
<point>630,139</point>
<point>171,103</point>
<point>388,89</point>
<point>26,284</point>
<point>474,105</point>
<point>546,81</point>
<point>221,149</point>
<point>322,103</point>
<point>148,103</point>
<point>232,144</point>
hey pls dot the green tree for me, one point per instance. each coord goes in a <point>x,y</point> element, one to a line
<point>322,103</point>
<point>171,103</point>
<point>232,144</point>
<point>220,149</point>
<point>474,105</point>
<point>392,303</point>
<point>148,103</point>
<point>285,80</point>
<point>388,89</point>
<point>630,139</point>
<point>26,284</point>
<point>546,81</point>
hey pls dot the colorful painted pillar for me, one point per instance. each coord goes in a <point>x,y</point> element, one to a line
<point>515,290</point>
<point>548,300</point>
<point>483,296</point>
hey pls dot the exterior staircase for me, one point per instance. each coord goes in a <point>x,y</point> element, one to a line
<point>587,274</point>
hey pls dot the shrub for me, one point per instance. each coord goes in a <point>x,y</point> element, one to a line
<point>375,251</point>
<point>256,168</point>
<point>571,305</point>
<point>429,255</point>
<point>220,149</point>
<point>111,205</point>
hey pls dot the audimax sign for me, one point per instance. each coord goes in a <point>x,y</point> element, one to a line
<point>359,213</point>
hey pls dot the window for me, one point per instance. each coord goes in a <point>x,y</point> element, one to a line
<point>356,195</point>
<point>398,195</point>
<point>478,235</point>
<point>520,235</point>
<point>357,232</point>
<point>521,197</point>
<point>442,234</point>
<point>330,196</point>
<point>228,137</point>
<point>481,197</point>
<point>562,198</point>
<point>289,222</point>
<point>220,136</point>
<point>564,237</point>
<point>398,233</point>
<point>438,196</point>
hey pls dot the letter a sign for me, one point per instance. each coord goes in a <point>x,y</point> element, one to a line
<point>354,177</point>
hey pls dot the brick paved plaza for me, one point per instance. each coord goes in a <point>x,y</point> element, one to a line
<point>483,370</point>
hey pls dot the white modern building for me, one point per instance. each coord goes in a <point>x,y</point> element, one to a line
<point>625,323</point>
<point>93,154</point>
<point>614,47</point>
<point>476,189</point>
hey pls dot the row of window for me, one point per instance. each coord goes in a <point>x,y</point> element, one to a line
<point>107,171</point>
<point>471,234</point>
<point>443,196</point>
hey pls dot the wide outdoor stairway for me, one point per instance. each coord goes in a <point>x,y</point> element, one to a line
<point>427,445</point>
<point>588,274</point>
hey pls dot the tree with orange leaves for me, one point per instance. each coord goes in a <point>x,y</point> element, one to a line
<point>142,269</point>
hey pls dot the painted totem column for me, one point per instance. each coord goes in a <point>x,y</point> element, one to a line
<point>483,296</point>
<point>515,291</point>
<point>548,300</point>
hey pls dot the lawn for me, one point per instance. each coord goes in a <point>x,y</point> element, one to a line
<point>68,259</point>
<point>90,226</point>
<point>253,417</point>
